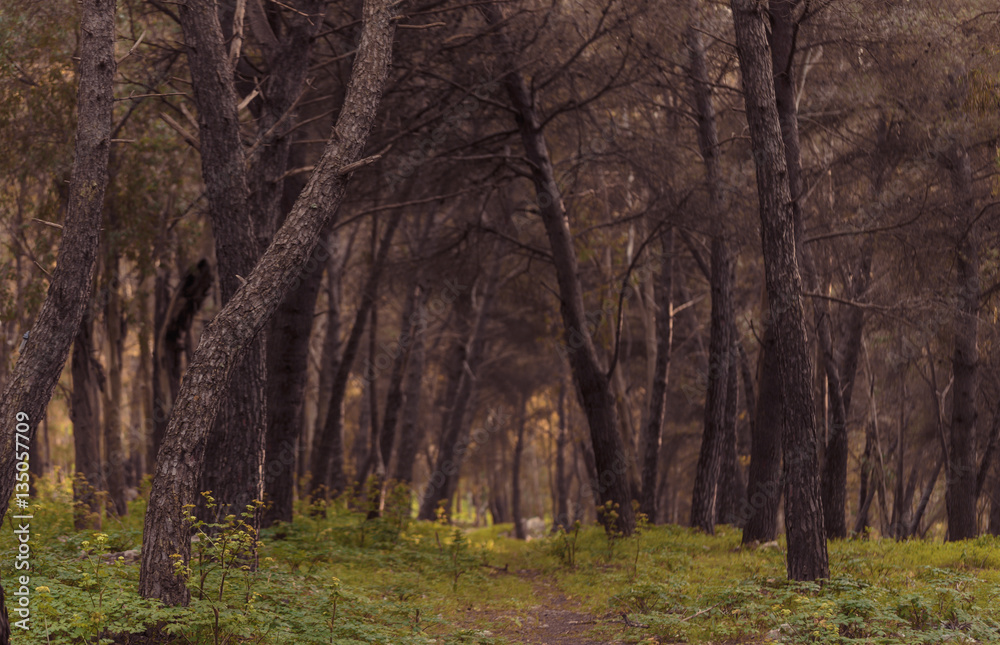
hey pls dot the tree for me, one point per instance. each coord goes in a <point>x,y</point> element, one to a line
<point>807,557</point>
<point>236,446</point>
<point>328,446</point>
<point>85,413</point>
<point>233,329</point>
<point>592,383</point>
<point>718,424</point>
<point>44,354</point>
<point>652,433</point>
<point>961,469</point>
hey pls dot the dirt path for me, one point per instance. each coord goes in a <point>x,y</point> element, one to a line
<point>554,620</point>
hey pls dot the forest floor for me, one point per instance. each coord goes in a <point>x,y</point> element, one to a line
<point>330,576</point>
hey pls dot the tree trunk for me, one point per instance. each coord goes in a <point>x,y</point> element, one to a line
<point>515,473</point>
<point>653,431</point>
<point>911,529</point>
<point>371,461</point>
<point>173,338</point>
<point>732,489</point>
<point>562,518</point>
<point>29,387</point>
<point>287,368</point>
<point>592,383</point>
<point>807,556</point>
<point>329,357</point>
<point>962,468</point>
<point>706,482</point>
<point>704,499</point>
<point>235,451</point>
<point>453,443</point>
<point>287,364</point>
<point>760,513</point>
<point>411,433</point>
<point>834,477</point>
<point>233,329</point>
<point>85,414</point>
<point>394,396</point>
<point>328,447</point>
<point>865,494</point>
<point>115,457</point>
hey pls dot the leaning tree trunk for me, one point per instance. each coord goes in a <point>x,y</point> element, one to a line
<point>652,433</point>
<point>225,340</point>
<point>85,414</point>
<point>592,382</point>
<point>962,470</point>
<point>30,385</point>
<point>807,556</point>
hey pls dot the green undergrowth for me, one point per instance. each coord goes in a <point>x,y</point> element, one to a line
<point>331,576</point>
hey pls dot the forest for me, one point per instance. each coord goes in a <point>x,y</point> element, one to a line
<point>499,321</point>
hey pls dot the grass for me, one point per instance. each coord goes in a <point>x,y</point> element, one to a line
<point>335,578</point>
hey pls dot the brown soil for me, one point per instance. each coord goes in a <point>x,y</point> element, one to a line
<point>554,620</point>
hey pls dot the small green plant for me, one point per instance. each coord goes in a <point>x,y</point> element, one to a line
<point>458,556</point>
<point>563,545</point>
<point>641,522</point>
<point>224,553</point>
<point>607,513</point>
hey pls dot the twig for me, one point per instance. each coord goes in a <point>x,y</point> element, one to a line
<point>133,97</point>
<point>703,611</point>
<point>429,25</point>
<point>132,48</point>
<point>52,224</point>
<point>190,138</point>
<point>296,171</point>
<point>351,167</point>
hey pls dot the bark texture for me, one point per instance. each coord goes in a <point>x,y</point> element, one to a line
<point>807,555</point>
<point>234,328</point>
<point>30,385</point>
<point>236,445</point>
<point>84,411</point>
